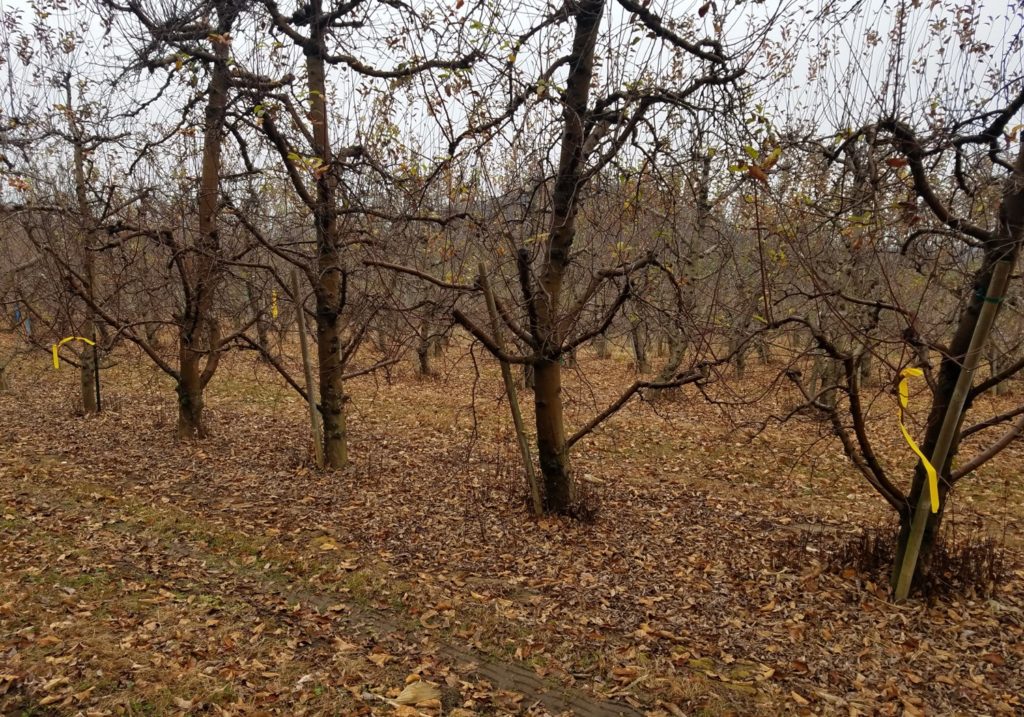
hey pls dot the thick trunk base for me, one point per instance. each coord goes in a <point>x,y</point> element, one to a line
<point>190,415</point>
<point>559,488</point>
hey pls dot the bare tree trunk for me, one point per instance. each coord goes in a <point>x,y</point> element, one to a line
<point>739,356</point>
<point>152,332</point>
<point>638,337</point>
<point>529,377</point>
<point>1004,247</point>
<point>437,345</point>
<point>425,347</point>
<point>88,368</point>
<point>995,365</point>
<point>824,377</point>
<point>602,347</point>
<point>331,277</point>
<point>559,491</point>
<point>662,345</point>
<point>423,356</point>
<point>197,330</point>
<point>190,396</point>
<point>559,488</point>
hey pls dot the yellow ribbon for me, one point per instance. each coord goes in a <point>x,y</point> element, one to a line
<point>933,477</point>
<point>273,303</point>
<point>56,347</point>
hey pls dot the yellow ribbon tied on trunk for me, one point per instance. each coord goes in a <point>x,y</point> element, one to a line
<point>933,476</point>
<point>56,347</point>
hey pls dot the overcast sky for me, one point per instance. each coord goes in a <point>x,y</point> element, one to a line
<point>839,58</point>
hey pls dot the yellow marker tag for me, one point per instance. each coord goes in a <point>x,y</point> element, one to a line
<point>933,477</point>
<point>273,304</point>
<point>56,347</point>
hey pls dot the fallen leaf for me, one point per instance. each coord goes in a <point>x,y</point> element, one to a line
<point>417,692</point>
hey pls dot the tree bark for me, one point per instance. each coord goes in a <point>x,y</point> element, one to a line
<point>197,329</point>
<point>559,491</point>
<point>639,338</point>
<point>88,368</point>
<point>329,287</point>
<point>425,347</point>
<point>190,396</point>
<point>866,362</point>
<point>559,488</point>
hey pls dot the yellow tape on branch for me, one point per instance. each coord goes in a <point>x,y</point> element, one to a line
<point>56,347</point>
<point>933,477</point>
<point>273,304</point>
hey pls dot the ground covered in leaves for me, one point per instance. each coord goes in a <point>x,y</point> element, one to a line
<point>139,576</point>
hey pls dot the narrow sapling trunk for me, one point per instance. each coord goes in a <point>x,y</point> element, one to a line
<point>532,485</point>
